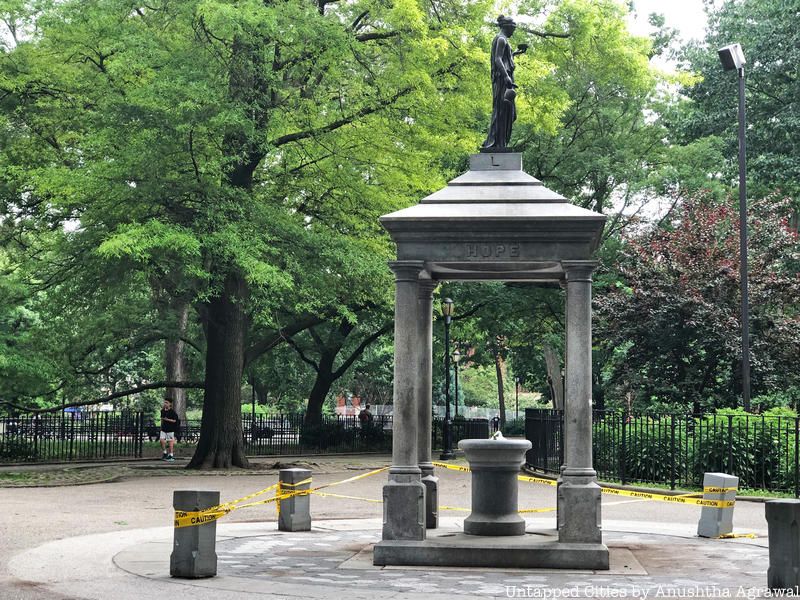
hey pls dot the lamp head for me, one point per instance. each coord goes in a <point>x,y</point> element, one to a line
<point>456,356</point>
<point>732,57</point>
<point>448,308</point>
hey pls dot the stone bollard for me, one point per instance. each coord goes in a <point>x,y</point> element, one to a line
<point>194,548</point>
<point>495,490</point>
<point>295,512</point>
<point>783,523</point>
<point>715,522</point>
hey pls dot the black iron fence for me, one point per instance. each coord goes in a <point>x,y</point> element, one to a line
<point>676,450</point>
<point>73,436</point>
<point>462,429</point>
<point>105,435</point>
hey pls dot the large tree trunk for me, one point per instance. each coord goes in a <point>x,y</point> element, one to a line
<point>175,358</point>
<point>554,379</point>
<point>501,395</point>
<point>322,385</point>
<point>221,443</point>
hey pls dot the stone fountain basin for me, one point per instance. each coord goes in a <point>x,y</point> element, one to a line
<point>495,454</point>
<point>495,465</point>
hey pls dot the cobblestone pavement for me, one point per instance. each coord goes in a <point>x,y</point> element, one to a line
<point>339,560</point>
<point>320,558</point>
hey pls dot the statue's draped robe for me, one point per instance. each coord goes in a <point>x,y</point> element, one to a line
<point>504,112</point>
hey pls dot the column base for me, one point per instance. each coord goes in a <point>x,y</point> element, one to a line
<point>431,483</point>
<point>579,510</point>
<point>404,510</point>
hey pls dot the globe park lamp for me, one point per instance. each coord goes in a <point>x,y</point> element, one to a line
<point>732,58</point>
<point>456,359</point>
<point>448,308</point>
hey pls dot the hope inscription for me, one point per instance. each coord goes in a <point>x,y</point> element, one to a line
<point>492,250</point>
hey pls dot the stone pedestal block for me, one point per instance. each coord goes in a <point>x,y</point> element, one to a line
<point>404,510</point>
<point>295,512</point>
<point>194,553</point>
<point>715,522</point>
<point>579,511</point>
<point>783,522</point>
<point>431,483</point>
<point>495,465</point>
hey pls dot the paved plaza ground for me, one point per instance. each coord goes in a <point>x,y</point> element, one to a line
<point>113,539</point>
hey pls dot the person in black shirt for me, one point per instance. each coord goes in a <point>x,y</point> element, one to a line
<point>169,425</point>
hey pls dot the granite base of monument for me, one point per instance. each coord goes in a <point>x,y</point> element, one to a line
<point>534,550</point>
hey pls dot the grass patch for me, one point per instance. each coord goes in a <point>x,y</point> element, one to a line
<point>15,477</point>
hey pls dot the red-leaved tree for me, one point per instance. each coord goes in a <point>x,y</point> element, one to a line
<point>671,317</point>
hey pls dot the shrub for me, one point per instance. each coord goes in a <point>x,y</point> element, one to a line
<point>747,446</point>
<point>17,450</point>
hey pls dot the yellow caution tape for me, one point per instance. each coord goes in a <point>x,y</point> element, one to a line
<point>452,467</point>
<point>226,505</point>
<point>347,497</point>
<point>719,490</point>
<point>455,508</point>
<point>194,518</point>
<point>537,480</point>
<point>351,479</point>
<point>680,499</point>
<point>667,498</point>
<point>536,510</point>
<point>728,536</point>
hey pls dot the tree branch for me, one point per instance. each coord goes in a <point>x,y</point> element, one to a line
<point>366,111</point>
<point>360,350</point>
<point>302,354</point>
<point>377,35</point>
<point>545,34</point>
<point>268,343</point>
<point>147,386</point>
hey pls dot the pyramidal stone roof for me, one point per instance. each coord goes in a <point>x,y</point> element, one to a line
<point>495,178</point>
<point>493,221</point>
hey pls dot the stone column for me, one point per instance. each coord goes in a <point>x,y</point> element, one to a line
<point>560,478</point>
<point>404,494</point>
<point>579,494</point>
<point>425,400</point>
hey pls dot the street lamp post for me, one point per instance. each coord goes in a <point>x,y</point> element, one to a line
<point>516,379</point>
<point>447,312</point>
<point>456,358</point>
<point>732,58</point>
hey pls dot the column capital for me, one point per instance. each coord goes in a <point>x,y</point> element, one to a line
<point>407,270</point>
<point>579,270</point>
<point>426,287</point>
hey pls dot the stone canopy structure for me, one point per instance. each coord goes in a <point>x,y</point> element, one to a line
<point>496,223</point>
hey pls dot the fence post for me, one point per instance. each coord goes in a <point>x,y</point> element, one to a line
<point>622,451</point>
<point>139,433</point>
<point>560,440</point>
<point>730,444</point>
<point>796,452</point>
<point>71,433</point>
<point>672,452</point>
<point>105,433</point>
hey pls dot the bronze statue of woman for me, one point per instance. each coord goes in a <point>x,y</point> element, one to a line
<point>504,110</point>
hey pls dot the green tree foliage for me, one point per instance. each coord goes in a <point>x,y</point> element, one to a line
<point>671,319</point>
<point>608,144</point>
<point>237,152</point>
<point>767,31</point>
